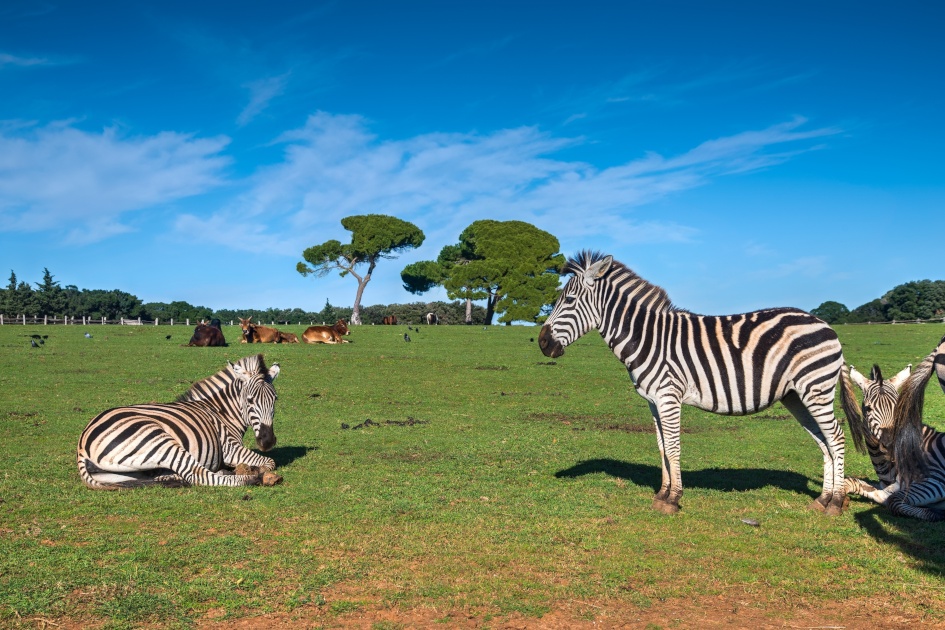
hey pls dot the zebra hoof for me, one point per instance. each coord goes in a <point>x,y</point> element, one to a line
<point>817,506</point>
<point>665,506</point>
<point>833,510</point>
<point>271,479</point>
<point>245,469</point>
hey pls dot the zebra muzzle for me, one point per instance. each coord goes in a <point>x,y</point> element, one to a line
<point>265,438</point>
<point>549,346</point>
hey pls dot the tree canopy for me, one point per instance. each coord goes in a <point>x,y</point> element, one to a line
<point>373,238</point>
<point>512,265</point>
<point>919,299</point>
<point>832,312</point>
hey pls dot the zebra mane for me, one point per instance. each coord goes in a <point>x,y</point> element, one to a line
<point>219,381</point>
<point>649,294</point>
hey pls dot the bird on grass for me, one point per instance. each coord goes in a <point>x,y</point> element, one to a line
<point>33,343</point>
<point>168,337</point>
<point>88,335</point>
<point>406,337</point>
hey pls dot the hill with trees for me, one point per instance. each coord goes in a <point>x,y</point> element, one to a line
<point>919,299</point>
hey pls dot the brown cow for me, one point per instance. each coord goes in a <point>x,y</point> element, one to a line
<point>207,335</point>
<point>390,320</point>
<point>285,337</point>
<point>258,334</point>
<point>327,334</point>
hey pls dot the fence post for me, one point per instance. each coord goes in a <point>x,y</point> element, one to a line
<point>188,321</point>
<point>24,319</point>
<point>172,321</point>
<point>157,320</point>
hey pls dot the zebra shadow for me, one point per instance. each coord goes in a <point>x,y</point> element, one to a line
<point>724,479</point>
<point>920,540</point>
<point>285,455</point>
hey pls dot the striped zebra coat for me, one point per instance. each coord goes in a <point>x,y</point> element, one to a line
<point>187,442</point>
<point>731,365</point>
<point>918,450</point>
<point>873,431</point>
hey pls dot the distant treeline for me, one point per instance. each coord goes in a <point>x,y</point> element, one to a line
<point>920,299</point>
<point>49,298</point>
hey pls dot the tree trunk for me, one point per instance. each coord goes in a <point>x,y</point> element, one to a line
<point>468,311</point>
<point>362,282</point>
<point>490,308</point>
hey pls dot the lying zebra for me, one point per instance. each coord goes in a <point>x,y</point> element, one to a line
<point>186,442</point>
<point>878,432</point>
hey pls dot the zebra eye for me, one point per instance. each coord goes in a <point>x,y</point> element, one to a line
<point>569,299</point>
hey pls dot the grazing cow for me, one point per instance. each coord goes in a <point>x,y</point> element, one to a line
<point>432,319</point>
<point>285,337</point>
<point>390,320</point>
<point>327,334</point>
<point>207,335</point>
<point>258,334</point>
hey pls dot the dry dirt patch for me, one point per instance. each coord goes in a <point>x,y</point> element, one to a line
<point>705,612</point>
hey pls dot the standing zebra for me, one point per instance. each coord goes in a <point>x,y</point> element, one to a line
<point>731,365</point>
<point>187,441</point>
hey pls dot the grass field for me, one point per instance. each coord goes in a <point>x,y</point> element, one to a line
<point>491,484</point>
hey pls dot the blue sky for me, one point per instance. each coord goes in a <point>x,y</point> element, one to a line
<point>739,154</point>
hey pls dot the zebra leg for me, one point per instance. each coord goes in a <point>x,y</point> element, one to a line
<point>908,504</point>
<point>235,453</point>
<point>195,473</point>
<point>879,494</point>
<point>816,416</point>
<point>666,419</point>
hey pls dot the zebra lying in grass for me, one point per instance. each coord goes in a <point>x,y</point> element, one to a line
<point>917,487</point>
<point>189,441</point>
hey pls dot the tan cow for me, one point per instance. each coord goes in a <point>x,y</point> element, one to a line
<point>285,337</point>
<point>327,334</point>
<point>258,334</point>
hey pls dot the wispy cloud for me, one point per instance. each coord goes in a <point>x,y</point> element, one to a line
<point>335,167</point>
<point>60,178</point>
<point>669,85</point>
<point>261,92</point>
<point>806,266</point>
<point>7,59</point>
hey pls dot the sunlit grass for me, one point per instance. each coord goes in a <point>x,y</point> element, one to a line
<point>490,478</point>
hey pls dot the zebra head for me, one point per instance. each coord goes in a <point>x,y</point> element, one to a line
<point>258,398</point>
<point>879,401</point>
<point>578,307</point>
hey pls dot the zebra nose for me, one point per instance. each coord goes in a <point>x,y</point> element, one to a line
<point>265,439</point>
<point>549,347</point>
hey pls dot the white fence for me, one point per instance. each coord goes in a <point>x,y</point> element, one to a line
<point>47,320</point>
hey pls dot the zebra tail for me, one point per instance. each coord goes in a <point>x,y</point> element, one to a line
<point>90,481</point>
<point>908,454</point>
<point>851,409</point>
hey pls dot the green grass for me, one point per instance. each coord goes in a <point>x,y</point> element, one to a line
<point>496,481</point>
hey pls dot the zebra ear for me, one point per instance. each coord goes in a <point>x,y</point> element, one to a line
<point>858,378</point>
<point>239,370</point>
<point>594,273</point>
<point>898,380</point>
<point>273,372</point>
